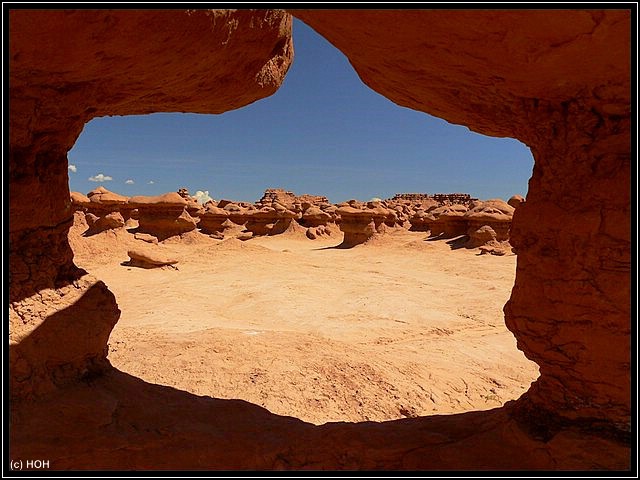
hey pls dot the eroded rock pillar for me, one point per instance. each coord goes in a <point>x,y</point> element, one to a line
<point>67,67</point>
<point>570,305</point>
<point>60,316</point>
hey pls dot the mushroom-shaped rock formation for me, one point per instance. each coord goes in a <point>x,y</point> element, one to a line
<point>449,221</point>
<point>103,202</point>
<point>103,196</point>
<point>79,201</point>
<point>357,224</point>
<point>148,258</point>
<point>213,220</point>
<point>360,224</point>
<point>421,221</point>
<point>314,217</point>
<point>268,221</point>
<point>237,213</point>
<point>495,213</point>
<point>163,216</point>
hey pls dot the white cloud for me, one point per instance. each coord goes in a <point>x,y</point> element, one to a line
<point>129,182</point>
<point>73,168</point>
<point>202,197</point>
<point>151,182</point>
<point>100,178</point>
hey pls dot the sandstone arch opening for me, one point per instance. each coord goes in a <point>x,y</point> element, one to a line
<point>398,328</point>
<point>576,416</point>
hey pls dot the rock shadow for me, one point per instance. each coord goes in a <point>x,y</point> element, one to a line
<point>120,422</point>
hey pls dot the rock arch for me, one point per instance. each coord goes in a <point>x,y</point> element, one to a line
<point>557,80</point>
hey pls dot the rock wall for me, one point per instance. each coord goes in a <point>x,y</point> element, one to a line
<point>67,67</point>
<point>558,81</point>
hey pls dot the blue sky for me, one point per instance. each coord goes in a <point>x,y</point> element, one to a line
<point>323,132</point>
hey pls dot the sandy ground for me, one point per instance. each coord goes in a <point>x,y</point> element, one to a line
<point>399,327</point>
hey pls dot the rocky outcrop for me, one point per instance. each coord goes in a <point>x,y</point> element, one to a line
<point>104,210</point>
<point>194,208</point>
<point>360,224</point>
<point>495,71</point>
<point>495,213</point>
<point>449,221</point>
<point>278,195</point>
<point>314,217</point>
<point>569,308</point>
<point>103,202</point>
<point>421,221</point>
<point>268,220</point>
<point>67,67</point>
<point>163,216</point>
<point>213,220</point>
<point>440,198</point>
<point>109,221</point>
<point>236,211</point>
<point>79,201</point>
<point>481,236</point>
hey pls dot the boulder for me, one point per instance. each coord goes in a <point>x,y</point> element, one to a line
<point>148,258</point>
<point>145,237</point>
<point>482,236</point>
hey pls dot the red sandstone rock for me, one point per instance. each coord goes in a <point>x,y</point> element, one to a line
<point>313,217</point>
<point>145,237</point>
<point>516,200</point>
<point>268,221</point>
<point>163,216</point>
<point>359,224</point>
<point>498,73</point>
<point>481,236</point>
<point>79,201</point>
<point>493,250</point>
<point>558,80</point>
<point>149,258</point>
<point>311,233</point>
<point>109,221</point>
<point>449,221</point>
<point>212,221</point>
<point>105,197</point>
<point>103,202</point>
<point>495,213</point>
<point>421,221</point>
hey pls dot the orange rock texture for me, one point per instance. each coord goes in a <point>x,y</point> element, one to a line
<point>557,80</point>
<point>67,67</point>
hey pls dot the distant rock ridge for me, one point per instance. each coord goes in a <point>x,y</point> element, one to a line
<point>461,198</point>
<point>281,211</point>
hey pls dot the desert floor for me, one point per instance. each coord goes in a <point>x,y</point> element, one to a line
<point>398,327</point>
